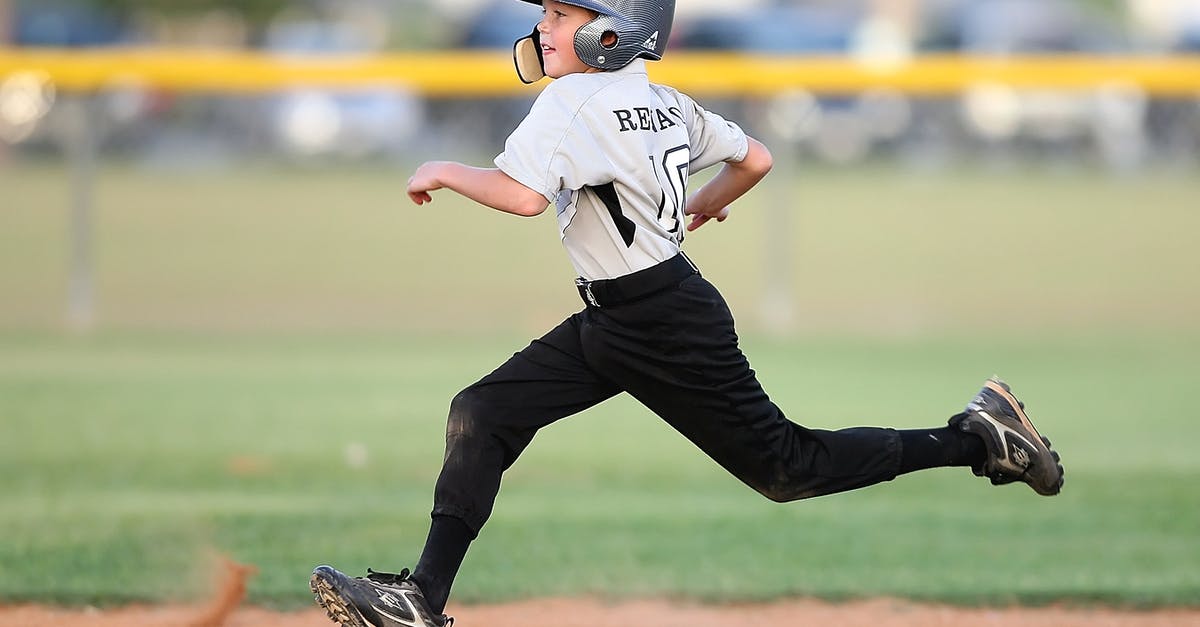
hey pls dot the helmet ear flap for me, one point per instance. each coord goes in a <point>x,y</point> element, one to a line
<point>527,55</point>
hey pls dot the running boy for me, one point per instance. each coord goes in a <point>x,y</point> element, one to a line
<point>612,152</point>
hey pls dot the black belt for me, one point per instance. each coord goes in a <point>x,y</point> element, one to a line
<point>640,284</point>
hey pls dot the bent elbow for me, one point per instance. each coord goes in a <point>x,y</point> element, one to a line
<point>761,160</point>
<point>531,207</point>
<point>764,165</point>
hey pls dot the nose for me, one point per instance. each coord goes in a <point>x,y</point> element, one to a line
<point>542,26</point>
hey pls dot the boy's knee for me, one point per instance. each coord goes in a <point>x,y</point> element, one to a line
<point>779,494</point>
<point>465,410</point>
<point>788,490</point>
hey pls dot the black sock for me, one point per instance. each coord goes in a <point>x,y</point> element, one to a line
<point>444,551</point>
<point>934,448</point>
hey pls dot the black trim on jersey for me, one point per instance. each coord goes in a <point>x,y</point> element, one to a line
<point>607,193</point>
<point>677,231</point>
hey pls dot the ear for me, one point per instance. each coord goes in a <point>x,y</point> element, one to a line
<point>527,55</point>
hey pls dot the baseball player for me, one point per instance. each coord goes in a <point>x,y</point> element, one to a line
<point>612,152</point>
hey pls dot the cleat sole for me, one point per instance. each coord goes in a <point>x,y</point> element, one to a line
<point>338,610</point>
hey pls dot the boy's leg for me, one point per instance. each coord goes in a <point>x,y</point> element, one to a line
<point>686,367</point>
<point>921,449</point>
<point>490,424</point>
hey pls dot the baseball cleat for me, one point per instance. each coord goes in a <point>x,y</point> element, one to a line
<point>377,600</point>
<point>1015,450</point>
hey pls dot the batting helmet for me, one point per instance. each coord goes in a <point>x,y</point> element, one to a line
<point>641,28</point>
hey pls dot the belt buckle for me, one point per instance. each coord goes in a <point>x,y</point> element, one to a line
<point>587,292</point>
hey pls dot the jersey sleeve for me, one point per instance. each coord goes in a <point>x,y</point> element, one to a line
<point>713,138</point>
<point>552,149</point>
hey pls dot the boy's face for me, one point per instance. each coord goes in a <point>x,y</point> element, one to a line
<point>557,30</point>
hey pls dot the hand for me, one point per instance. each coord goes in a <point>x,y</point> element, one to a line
<point>700,217</point>
<point>423,181</point>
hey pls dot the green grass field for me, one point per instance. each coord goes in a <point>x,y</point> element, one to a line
<point>276,349</point>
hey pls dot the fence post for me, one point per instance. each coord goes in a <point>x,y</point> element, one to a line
<point>779,306</point>
<point>81,152</point>
<point>779,299</point>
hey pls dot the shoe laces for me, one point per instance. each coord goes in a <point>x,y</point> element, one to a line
<point>389,579</point>
<point>393,579</point>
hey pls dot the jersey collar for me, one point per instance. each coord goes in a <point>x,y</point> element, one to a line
<point>637,66</point>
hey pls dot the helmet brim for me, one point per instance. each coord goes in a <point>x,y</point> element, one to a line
<point>598,7</point>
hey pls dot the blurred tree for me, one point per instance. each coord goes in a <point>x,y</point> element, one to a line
<point>6,22</point>
<point>256,12</point>
<point>1110,7</point>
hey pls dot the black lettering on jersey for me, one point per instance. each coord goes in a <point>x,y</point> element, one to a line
<point>646,119</point>
<point>644,122</point>
<point>625,117</point>
<point>663,120</point>
<point>607,194</point>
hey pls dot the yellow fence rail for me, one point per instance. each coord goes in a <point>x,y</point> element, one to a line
<point>491,73</point>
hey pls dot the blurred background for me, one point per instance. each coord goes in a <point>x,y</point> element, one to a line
<point>224,326</point>
<point>291,134</point>
<point>1115,125</point>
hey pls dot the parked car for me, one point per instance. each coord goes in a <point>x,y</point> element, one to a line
<point>1108,121</point>
<point>312,122</point>
<point>65,23</point>
<point>836,128</point>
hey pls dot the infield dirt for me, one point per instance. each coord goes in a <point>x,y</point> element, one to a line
<point>225,609</point>
<point>593,613</point>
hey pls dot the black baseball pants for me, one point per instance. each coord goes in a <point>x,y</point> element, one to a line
<point>676,352</point>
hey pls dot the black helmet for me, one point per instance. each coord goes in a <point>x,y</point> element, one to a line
<point>642,28</point>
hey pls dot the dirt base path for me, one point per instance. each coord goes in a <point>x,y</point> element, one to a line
<point>591,613</point>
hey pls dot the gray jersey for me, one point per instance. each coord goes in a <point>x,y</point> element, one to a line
<point>612,152</point>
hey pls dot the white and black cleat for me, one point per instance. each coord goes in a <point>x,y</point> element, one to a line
<point>1015,449</point>
<point>377,600</point>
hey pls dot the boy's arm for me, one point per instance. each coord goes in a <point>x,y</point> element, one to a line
<point>735,178</point>
<point>486,186</point>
